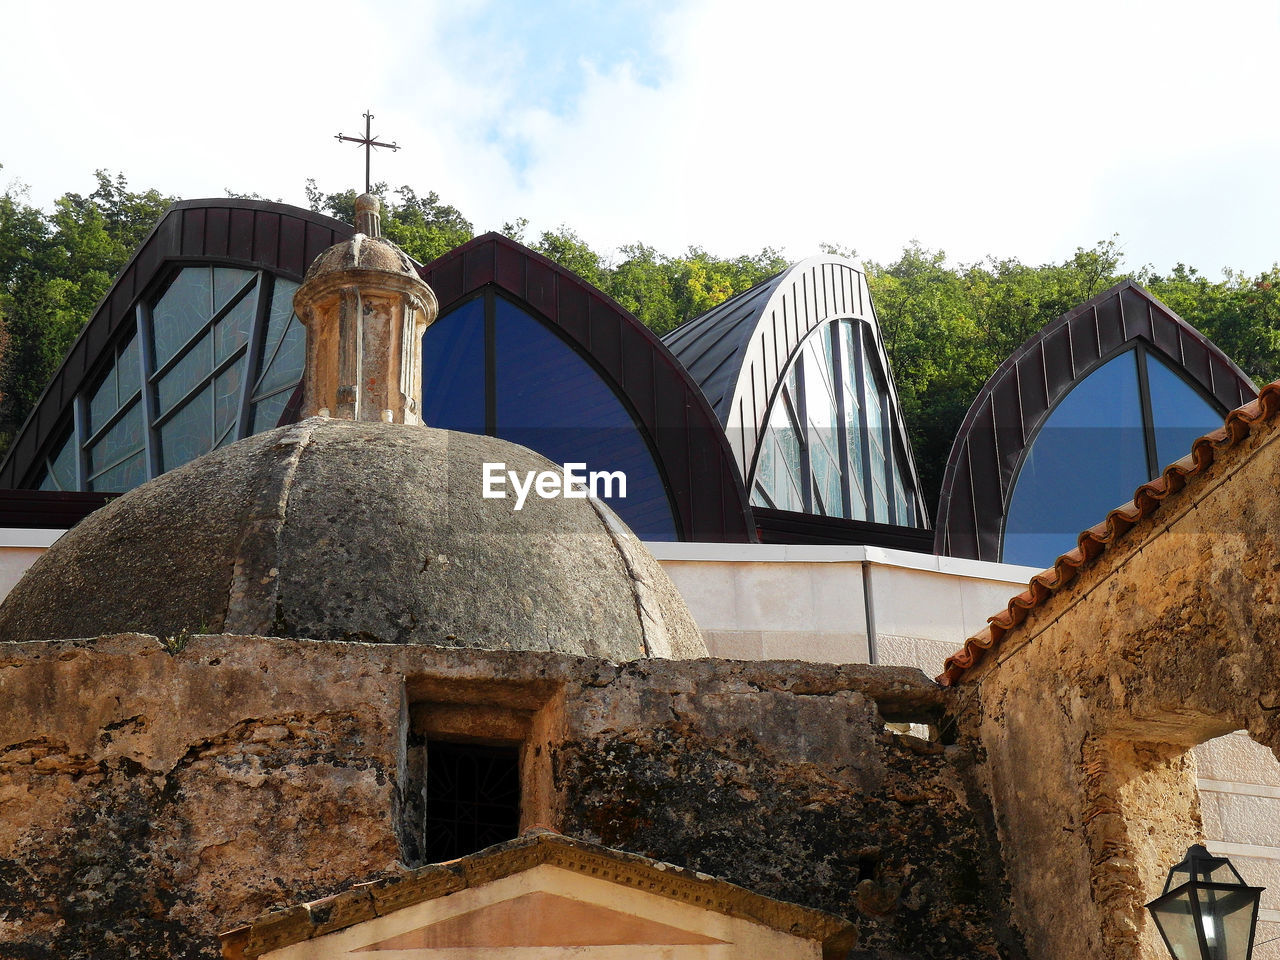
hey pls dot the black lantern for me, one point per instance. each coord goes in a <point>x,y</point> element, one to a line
<point>1206,912</point>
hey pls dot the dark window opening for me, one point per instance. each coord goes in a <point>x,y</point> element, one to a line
<point>472,795</point>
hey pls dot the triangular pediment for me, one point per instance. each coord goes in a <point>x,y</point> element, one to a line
<point>544,897</point>
<point>540,919</point>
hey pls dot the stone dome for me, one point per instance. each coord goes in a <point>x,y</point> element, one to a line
<point>341,530</point>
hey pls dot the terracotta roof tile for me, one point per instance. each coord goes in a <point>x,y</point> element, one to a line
<point>1094,541</point>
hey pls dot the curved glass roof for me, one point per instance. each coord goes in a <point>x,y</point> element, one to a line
<point>491,366</point>
<point>196,345</point>
<point>565,370</point>
<point>796,372</point>
<point>1088,409</point>
<point>213,357</point>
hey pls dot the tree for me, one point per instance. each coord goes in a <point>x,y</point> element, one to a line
<point>946,329</point>
<point>54,269</point>
<point>422,227</point>
<point>1240,314</point>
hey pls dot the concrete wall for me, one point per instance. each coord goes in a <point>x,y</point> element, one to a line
<point>19,549</point>
<point>836,604</point>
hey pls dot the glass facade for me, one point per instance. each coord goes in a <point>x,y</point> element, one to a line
<point>829,447</point>
<point>1114,431</point>
<point>178,384</point>
<point>489,366</point>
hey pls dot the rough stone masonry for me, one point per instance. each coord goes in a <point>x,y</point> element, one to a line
<point>154,793</point>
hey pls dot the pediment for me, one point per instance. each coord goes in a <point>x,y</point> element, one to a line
<point>544,897</point>
<point>540,919</point>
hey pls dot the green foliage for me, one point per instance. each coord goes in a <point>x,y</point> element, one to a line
<point>54,268</point>
<point>1240,314</point>
<point>661,291</point>
<point>422,227</point>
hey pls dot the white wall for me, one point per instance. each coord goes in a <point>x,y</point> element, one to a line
<point>836,604</point>
<point>19,549</point>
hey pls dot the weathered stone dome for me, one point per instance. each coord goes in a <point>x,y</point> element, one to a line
<point>345,530</point>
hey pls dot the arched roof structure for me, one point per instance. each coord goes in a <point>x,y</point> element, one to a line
<point>252,235</point>
<point>707,496</point>
<point>240,261</point>
<point>1016,403</point>
<point>742,353</point>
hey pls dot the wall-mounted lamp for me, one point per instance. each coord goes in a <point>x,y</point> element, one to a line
<point>1206,912</point>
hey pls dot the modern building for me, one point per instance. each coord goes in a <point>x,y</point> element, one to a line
<point>768,472</point>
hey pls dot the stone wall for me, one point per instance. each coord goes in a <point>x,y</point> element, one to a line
<point>155,793</point>
<point>1088,709</point>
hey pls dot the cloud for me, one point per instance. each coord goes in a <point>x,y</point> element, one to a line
<point>999,128</point>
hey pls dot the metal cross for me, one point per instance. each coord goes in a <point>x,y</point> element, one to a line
<point>369,143</point>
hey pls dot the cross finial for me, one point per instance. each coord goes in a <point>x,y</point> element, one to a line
<point>369,143</point>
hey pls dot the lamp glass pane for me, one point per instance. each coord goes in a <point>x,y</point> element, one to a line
<point>1228,920</point>
<point>1178,926</point>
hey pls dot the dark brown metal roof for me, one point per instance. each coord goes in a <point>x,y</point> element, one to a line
<point>48,509</point>
<point>789,526</point>
<point>1017,399</point>
<point>689,446</point>
<point>255,234</point>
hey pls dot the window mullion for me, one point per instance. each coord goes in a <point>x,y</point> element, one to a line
<point>802,415</point>
<point>146,358</point>
<point>1148,417</point>
<point>864,431</point>
<point>490,364</point>
<point>842,431</point>
<point>80,432</point>
<point>257,339</point>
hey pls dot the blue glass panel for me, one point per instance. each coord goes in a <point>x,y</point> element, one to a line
<point>266,412</point>
<point>227,282</point>
<point>189,433</point>
<point>62,465</point>
<point>280,315</point>
<point>285,367</point>
<point>1088,458</point>
<point>453,370</point>
<point>232,331</point>
<point>823,429</point>
<point>185,307</point>
<point>284,346</point>
<point>103,403</point>
<point>123,476</point>
<point>60,468</point>
<point>226,400</point>
<point>778,468</point>
<point>129,371</point>
<point>551,400</point>
<point>123,439</point>
<point>873,426</point>
<point>850,341</point>
<point>1179,412</point>
<point>186,375</point>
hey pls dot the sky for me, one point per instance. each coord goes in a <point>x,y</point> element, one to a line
<point>987,128</point>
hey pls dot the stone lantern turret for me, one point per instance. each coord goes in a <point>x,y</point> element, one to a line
<point>365,309</point>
